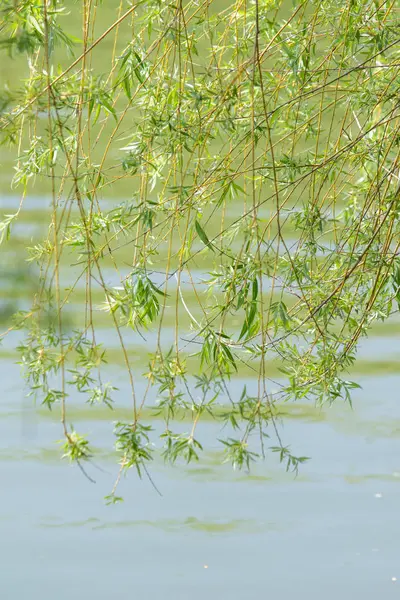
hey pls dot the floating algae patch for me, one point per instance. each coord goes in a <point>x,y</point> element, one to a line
<point>139,360</point>
<point>383,477</point>
<point>55,523</point>
<point>103,413</point>
<point>172,525</point>
<point>224,473</point>
<point>389,428</point>
<point>168,525</point>
<point>256,478</point>
<point>274,476</point>
<point>88,413</point>
<point>216,526</point>
<point>302,412</point>
<point>42,455</point>
<point>377,368</point>
<point>52,455</point>
<point>206,526</point>
<point>202,472</point>
<point>247,526</point>
<point>214,467</point>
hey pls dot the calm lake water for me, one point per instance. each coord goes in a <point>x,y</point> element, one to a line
<point>332,532</point>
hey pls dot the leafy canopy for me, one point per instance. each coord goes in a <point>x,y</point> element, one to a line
<point>224,182</point>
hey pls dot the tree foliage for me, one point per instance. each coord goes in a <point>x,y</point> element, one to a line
<point>256,142</point>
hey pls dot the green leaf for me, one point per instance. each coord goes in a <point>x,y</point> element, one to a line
<point>203,236</point>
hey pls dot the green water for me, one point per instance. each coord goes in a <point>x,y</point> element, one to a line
<point>330,533</point>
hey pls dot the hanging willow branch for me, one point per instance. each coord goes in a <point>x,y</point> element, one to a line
<point>224,187</point>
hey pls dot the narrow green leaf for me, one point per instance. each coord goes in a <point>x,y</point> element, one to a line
<point>203,236</point>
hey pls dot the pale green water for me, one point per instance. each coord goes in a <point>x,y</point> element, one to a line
<point>331,533</point>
